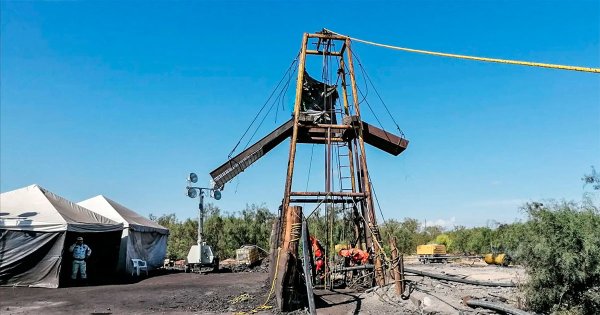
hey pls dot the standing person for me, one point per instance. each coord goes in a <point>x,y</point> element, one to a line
<point>80,253</point>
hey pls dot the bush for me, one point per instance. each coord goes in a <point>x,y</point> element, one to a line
<point>561,253</point>
<point>225,233</point>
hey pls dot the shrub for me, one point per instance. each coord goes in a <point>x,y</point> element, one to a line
<point>561,252</point>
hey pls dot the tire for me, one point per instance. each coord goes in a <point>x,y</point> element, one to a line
<point>216,264</point>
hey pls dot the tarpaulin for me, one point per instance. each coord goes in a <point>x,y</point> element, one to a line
<point>318,100</point>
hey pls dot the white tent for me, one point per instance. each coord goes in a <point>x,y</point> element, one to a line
<point>35,226</point>
<point>141,239</point>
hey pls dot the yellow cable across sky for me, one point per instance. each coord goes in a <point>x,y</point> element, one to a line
<point>505,61</point>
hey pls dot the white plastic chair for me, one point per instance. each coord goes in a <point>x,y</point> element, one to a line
<point>139,264</point>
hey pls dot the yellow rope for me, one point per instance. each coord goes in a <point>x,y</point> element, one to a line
<point>265,306</point>
<point>241,298</point>
<point>505,61</point>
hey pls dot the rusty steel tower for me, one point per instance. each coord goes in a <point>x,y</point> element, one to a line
<point>317,120</point>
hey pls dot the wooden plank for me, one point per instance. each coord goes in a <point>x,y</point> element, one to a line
<point>308,269</point>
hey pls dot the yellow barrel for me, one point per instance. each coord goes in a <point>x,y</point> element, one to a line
<point>489,259</point>
<point>500,259</point>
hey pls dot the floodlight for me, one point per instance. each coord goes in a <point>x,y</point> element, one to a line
<point>217,195</point>
<point>192,193</point>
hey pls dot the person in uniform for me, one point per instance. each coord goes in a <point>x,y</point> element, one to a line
<point>81,252</point>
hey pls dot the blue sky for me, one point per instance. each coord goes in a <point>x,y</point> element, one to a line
<point>125,98</point>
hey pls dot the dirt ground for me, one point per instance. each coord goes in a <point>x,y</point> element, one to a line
<point>188,293</point>
<point>165,294</point>
<point>432,296</point>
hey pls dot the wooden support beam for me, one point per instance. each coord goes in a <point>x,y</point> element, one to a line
<point>322,140</point>
<point>287,274</point>
<point>323,194</point>
<point>297,101</point>
<point>397,266</point>
<point>320,52</point>
<point>327,36</point>
<point>324,200</point>
<point>334,126</point>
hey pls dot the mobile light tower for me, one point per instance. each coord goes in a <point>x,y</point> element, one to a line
<point>201,257</point>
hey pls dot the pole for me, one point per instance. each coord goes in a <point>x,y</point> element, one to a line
<point>200,225</point>
<point>397,263</point>
<point>297,101</point>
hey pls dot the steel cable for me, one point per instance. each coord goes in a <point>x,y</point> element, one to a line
<point>484,59</point>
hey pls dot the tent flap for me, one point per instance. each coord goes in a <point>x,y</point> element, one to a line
<point>30,258</point>
<point>150,247</point>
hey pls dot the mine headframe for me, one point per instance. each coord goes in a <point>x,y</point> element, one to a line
<point>317,120</point>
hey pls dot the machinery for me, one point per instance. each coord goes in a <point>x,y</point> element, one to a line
<point>201,260</point>
<point>201,257</point>
<point>432,253</point>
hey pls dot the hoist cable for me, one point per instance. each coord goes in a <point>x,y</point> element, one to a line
<point>267,113</point>
<point>263,107</point>
<point>282,97</point>
<point>484,59</point>
<point>366,75</point>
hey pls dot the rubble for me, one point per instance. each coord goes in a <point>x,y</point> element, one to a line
<point>231,265</point>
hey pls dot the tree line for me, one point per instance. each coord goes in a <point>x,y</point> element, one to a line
<point>558,244</point>
<point>224,232</point>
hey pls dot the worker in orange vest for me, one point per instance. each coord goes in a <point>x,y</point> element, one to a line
<point>357,256</point>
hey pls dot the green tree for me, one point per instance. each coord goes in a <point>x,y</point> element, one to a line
<point>593,178</point>
<point>561,252</point>
<point>460,236</point>
<point>406,232</point>
<point>182,235</point>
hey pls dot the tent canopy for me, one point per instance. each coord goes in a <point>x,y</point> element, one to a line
<point>36,227</point>
<point>34,208</point>
<point>119,213</point>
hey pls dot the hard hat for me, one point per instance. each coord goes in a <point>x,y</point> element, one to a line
<point>80,238</point>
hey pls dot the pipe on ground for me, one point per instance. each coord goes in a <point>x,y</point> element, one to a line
<point>493,306</point>
<point>455,279</point>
